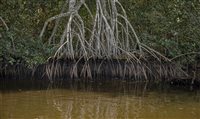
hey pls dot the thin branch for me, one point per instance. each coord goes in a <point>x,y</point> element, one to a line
<point>4,23</point>
<point>182,55</point>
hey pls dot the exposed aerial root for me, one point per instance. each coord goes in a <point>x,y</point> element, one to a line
<point>100,69</point>
<point>109,37</point>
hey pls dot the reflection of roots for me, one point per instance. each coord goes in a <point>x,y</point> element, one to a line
<point>94,109</point>
<point>90,105</point>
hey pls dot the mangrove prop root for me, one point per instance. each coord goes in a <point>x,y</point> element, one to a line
<point>109,36</point>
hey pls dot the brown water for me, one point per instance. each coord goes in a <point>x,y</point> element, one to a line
<point>73,104</point>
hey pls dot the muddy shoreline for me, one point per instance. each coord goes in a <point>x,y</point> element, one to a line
<point>98,70</point>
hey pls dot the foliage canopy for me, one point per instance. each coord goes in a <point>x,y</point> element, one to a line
<point>170,27</point>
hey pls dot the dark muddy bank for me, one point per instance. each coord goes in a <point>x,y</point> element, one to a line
<point>97,85</point>
<point>95,69</point>
<point>64,72</point>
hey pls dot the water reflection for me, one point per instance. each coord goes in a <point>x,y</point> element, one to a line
<point>132,101</point>
<point>94,106</point>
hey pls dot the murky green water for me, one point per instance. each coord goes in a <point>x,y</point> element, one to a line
<point>85,104</point>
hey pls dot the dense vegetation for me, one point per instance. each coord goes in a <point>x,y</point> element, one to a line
<point>170,27</point>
